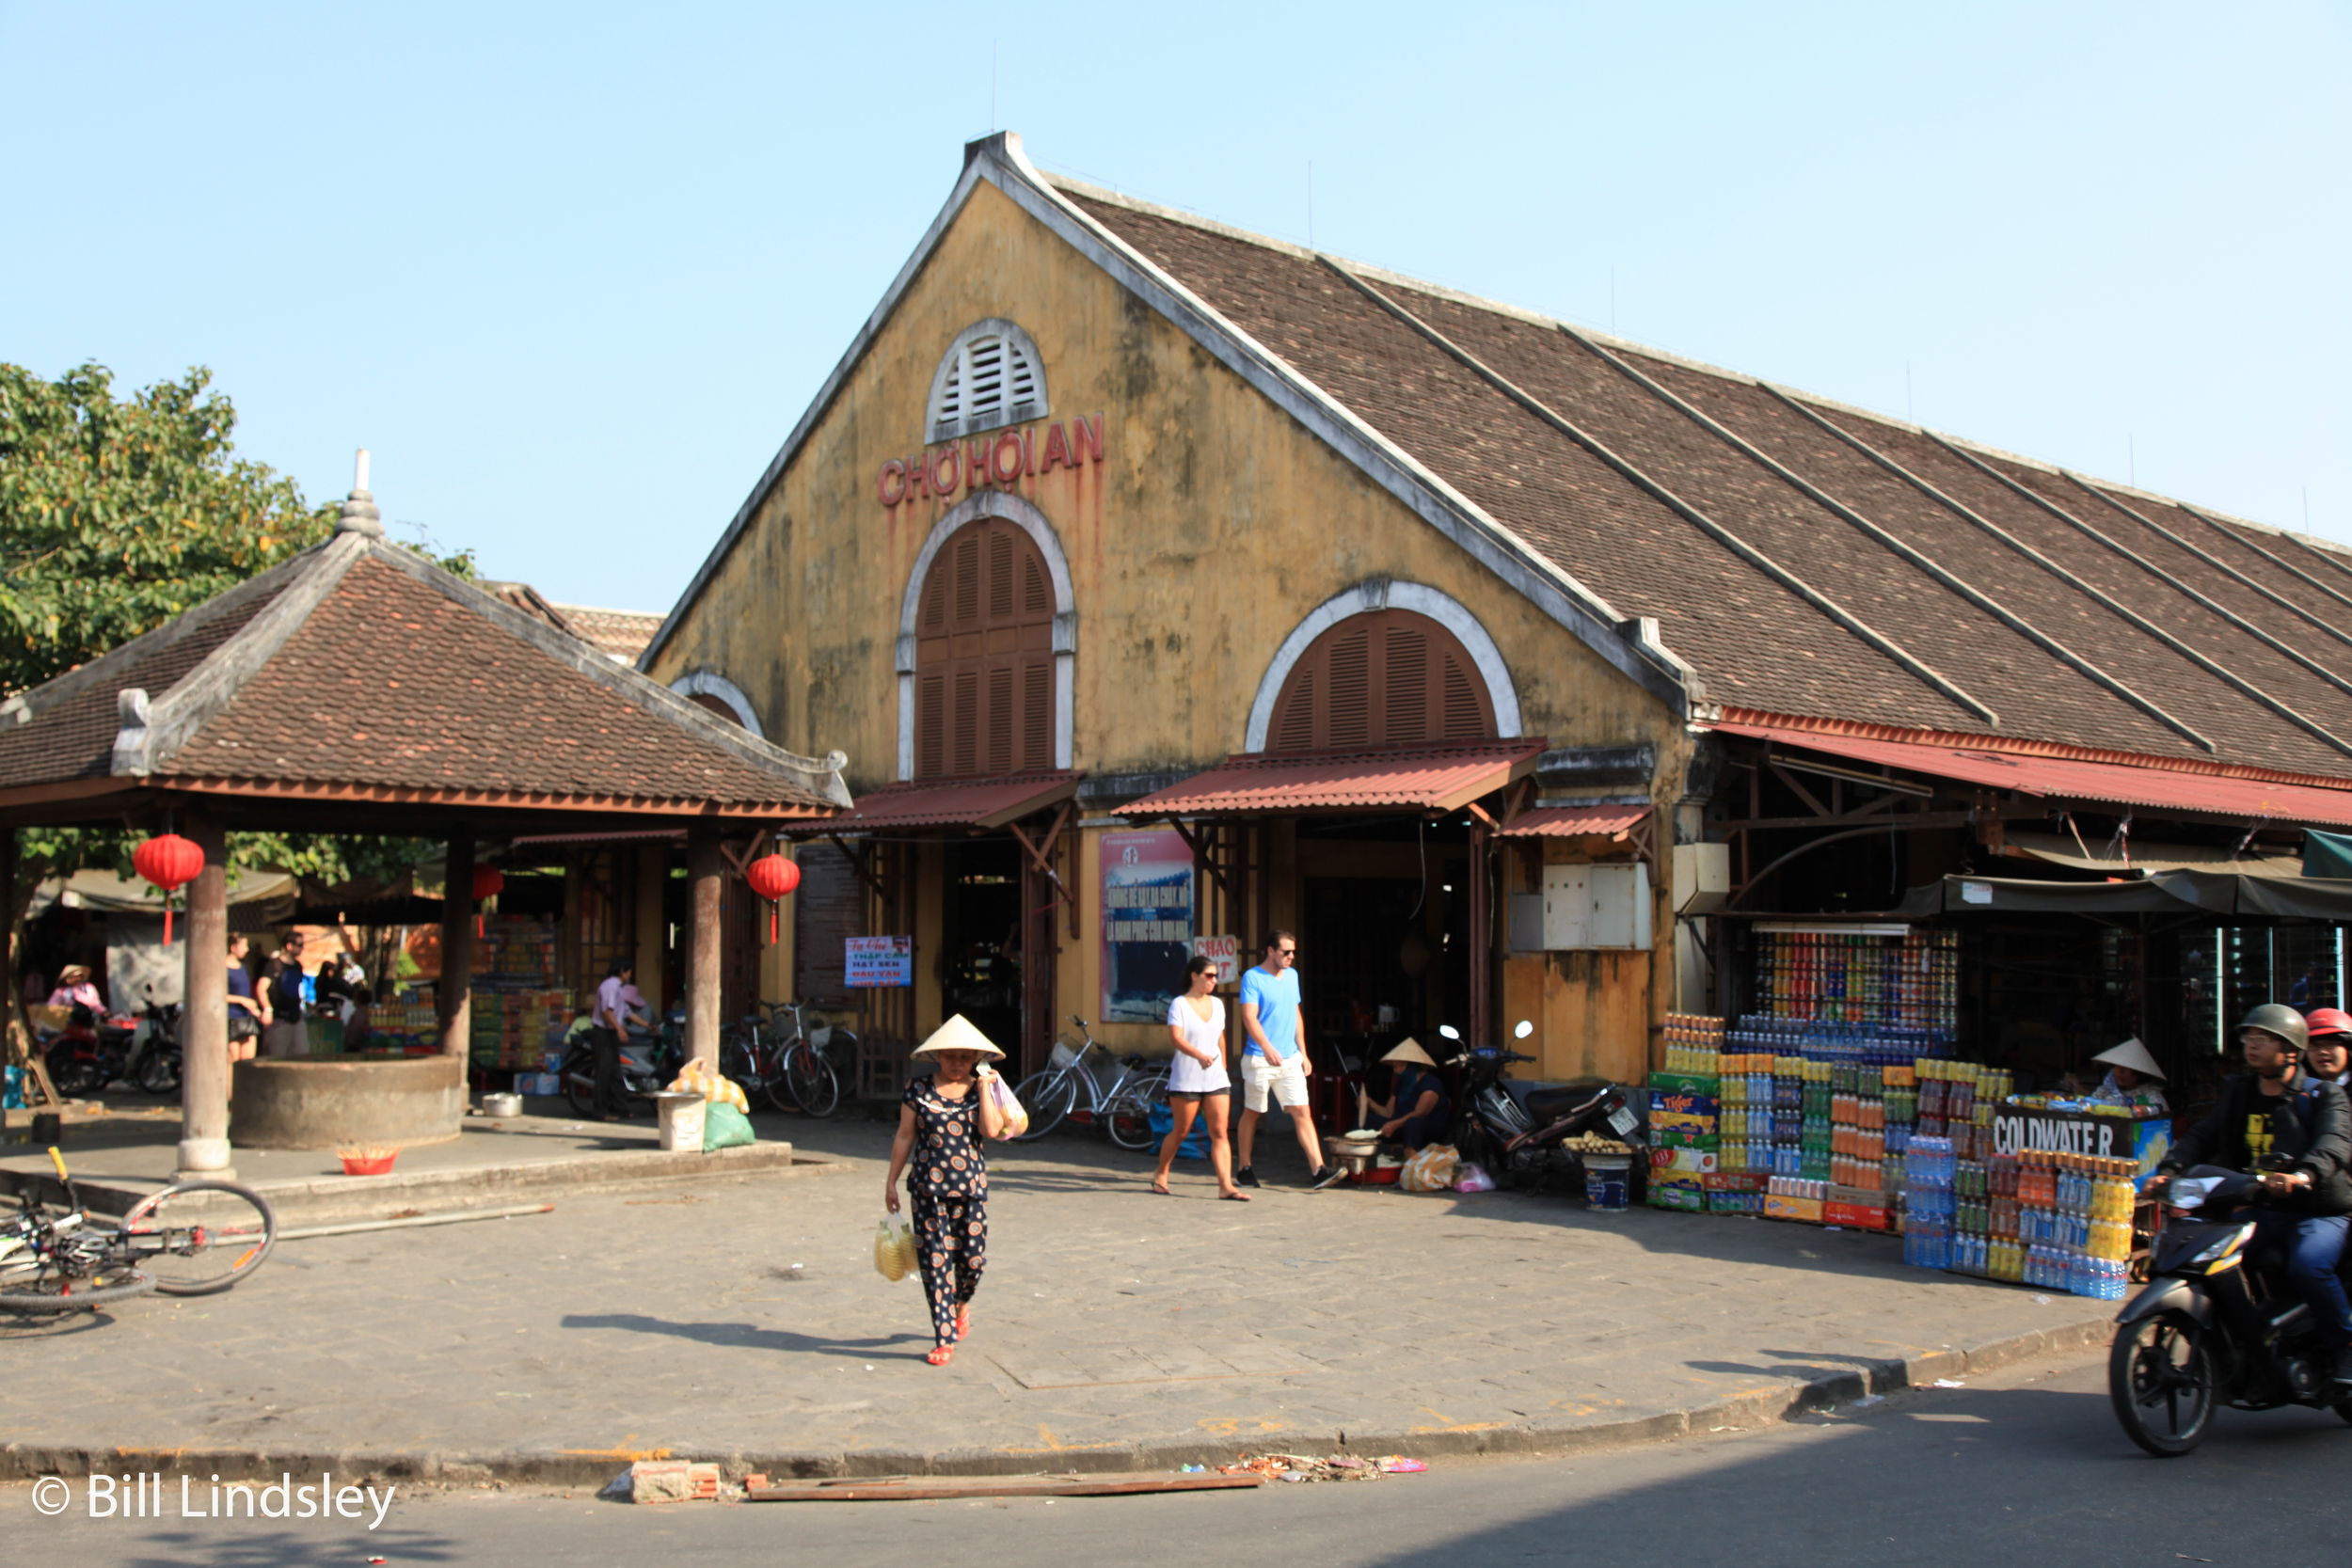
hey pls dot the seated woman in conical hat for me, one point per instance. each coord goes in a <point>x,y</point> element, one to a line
<point>1416,1112</point>
<point>2133,1078</point>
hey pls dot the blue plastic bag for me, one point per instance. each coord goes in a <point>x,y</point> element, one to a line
<point>1196,1144</point>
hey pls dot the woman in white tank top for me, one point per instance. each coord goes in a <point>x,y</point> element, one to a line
<point>1197,1083</point>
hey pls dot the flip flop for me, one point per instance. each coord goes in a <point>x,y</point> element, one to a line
<point>964,1320</point>
<point>1233,1198</point>
<point>1163,1192</point>
<point>941,1354</point>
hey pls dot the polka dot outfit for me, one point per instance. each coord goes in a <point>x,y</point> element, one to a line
<point>947,1182</point>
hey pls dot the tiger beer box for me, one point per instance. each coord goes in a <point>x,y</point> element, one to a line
<point>1681,1118</point>
<point>1735,1192</point>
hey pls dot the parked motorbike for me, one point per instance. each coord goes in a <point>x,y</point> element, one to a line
<point>155,1054</point>
<point>1486,1117</point>
<point>649,1063</point>
<point>1540,1161</point>
<point>2215,1326</point>
<point>90,1053</point>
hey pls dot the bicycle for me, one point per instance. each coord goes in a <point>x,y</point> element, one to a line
<point>190,1239</point>
<point>805,1068</point>
<point>1123,1109</point>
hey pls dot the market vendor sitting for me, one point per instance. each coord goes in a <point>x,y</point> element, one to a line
<point>76,991</point>
<point>1415,1110</point>
<point>2133,1079</point>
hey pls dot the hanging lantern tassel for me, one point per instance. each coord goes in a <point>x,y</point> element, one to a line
<point>772,878</point>
<point>170,863</point>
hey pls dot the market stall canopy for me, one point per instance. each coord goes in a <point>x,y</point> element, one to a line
<point>2146,859</point>
<point>2327,854</point>
<point>359,686</point>
<point>2064,779</point>
<point>1414,778</point>
<point>982,805</point>
<point>108,893</point>
<point>2166,892</point>
<point>1615,822</point>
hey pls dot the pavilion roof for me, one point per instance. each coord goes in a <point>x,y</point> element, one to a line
<point>360,673</point>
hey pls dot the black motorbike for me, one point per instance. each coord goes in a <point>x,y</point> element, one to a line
<point>155,1053</point>
<point>2215,1325</point>
<point>1540,1160</point>
<point>1486,1117</point>
<point>649,1063</point>
<point>93,1051</point>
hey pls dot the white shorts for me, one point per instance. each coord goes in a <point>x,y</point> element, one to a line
<point>1286,1084</point>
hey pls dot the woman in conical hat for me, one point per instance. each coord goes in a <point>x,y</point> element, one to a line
<point>943,1116</point>
<point>1414,1114</point>
<point>2132,1078</point>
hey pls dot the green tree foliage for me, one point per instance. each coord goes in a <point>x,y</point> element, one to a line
<point>116,514</point>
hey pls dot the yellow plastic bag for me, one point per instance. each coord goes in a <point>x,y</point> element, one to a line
<point>894,1248</point>
<point>718,1090</point>
<point>1431,1170</point>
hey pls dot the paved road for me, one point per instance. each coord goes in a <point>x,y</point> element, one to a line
<point>744,1318</point>
<point>2018,1468</point>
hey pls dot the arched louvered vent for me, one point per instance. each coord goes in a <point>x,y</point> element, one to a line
<point>1393,678</point>
<point>984,657</point>
<point>992,375</point>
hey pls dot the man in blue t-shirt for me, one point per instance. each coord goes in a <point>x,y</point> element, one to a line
<point>1274,1063</point>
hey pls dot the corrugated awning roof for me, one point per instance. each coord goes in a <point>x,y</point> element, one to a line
<point>1416,778</point>
<point>2064,779</point>
<point>2148,859</point>
<point>978,803</point>
<point>1575,821</point>
<point>627,835</point>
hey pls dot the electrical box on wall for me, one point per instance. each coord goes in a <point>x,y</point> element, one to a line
<point>1526,923</point>
<point>1702,878</point>
<point>1596,906</point>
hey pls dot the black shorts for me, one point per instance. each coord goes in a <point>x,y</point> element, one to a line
<point>1220,1092</point>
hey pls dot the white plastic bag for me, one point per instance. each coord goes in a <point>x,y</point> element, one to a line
<point>894,1248</point>
<point>1008,1105</point>
<point>1431,1170</point>
<point>1474,1179</point>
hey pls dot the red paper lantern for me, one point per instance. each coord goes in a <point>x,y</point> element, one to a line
<point>170,863</point>
<point>488,879</point>
<point>773,876</point>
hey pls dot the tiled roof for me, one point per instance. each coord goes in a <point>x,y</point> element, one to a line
<point>1803,557</point>
<point>989,802</point>
<point>358,667</point>
<point>621,633</point>
<point>1400,778</point>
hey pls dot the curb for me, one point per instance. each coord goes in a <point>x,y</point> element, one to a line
<point>27,1461</point>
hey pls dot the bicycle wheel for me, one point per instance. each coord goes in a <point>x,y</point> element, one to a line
<point>199,1236</point>
<point>738,1060</point>
<point>579,1080</point>
<point>811,1079</point>
<point>1047,1099</point>
<point>116,1282</point>
<point>778,1086</point>
<point>1129,1119</point>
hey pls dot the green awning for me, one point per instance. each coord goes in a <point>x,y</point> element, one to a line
<point>2327,854</point>
<point>2219,892</point>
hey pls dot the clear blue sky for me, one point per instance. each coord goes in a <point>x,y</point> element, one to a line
<point>573,272</point>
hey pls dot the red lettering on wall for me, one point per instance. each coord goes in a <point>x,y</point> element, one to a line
<point>1056,449</point>
<point>919,476</point>
<point>1085,432</point>
<point>1028,450</point>
<point>947,460</point>
<point>976,464</point>
<point>892,486</point>
<point>1008,443</point>
<point>1003,459</point>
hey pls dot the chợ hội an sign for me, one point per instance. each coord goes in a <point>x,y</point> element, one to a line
<point>1002,457</point>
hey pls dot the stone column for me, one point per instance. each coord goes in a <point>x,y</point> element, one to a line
<point>454,995</point>
<point>705,941</point>
<point>204,1008</point>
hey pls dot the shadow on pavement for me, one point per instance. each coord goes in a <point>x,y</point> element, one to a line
<point>218,1546</point>
<point>752,1337</point>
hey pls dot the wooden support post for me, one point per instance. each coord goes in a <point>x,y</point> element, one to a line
<point>453,999</point>
<point>204,1074</point>
<point>18,1041</point>
<point>1481,999</point>
<point>705,868</point>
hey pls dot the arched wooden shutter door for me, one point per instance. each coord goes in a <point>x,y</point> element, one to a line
<point>984,657</point>
<point>1391,678</point>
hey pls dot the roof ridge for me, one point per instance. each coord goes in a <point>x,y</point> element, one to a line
<point>1632,345</point>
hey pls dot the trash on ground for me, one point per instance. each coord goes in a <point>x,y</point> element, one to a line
<point>1950,1383</point>
<point>943,1488</point>
<point>1866,1400</point>
<point>672,1481</point>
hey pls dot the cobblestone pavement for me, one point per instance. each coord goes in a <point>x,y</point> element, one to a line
<point>743,1317</point>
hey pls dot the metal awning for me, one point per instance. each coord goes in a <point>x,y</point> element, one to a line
<point>2166,892</point>
<point>980,805</point>
<point>1400,778</point>
<point>2068,779</point>
<point>1615,822</point>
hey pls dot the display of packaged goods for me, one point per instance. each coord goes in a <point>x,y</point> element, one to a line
<point>1790,1197</point>
<point>1686,1082</point>
<point>1682,1162</point>
<point>1677,1190</point>
<point>1680,1111</point>
<point>1907,979</point>
<point>538,1083</point>
<point>1692,1043</point>
<point>1854,1217</point>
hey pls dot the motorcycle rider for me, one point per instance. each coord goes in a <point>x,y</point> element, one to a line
<point>2324,1057</point>
<point>2295,1131</point>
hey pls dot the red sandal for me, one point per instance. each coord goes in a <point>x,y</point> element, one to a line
<point>941,1354</point>
<point>964,1321</point>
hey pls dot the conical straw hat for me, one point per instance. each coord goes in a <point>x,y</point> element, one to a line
<point>958,1033</point>
<point>1408,1050</point>
<point>2133,1054</point>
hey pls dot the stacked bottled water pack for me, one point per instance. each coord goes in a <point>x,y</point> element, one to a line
<point>1930,1172</point>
